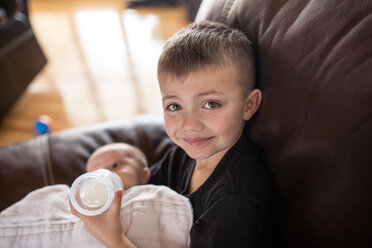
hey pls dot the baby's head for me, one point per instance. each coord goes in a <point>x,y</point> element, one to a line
<point>208,45</point>
<point>124,159</point>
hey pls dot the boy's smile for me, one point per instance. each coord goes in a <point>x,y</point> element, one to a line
<point>197,141</point>
<point>205,111</point>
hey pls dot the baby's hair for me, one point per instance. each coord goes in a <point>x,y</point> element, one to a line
<point>139,155</point>
<point>208,44</point>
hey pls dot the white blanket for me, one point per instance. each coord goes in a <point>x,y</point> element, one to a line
<point>152,216</point>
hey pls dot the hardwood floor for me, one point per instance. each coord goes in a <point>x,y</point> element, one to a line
<point>101,66</point>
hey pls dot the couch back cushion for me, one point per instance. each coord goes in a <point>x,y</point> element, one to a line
<point>60,157</point>
<point>314,66</point>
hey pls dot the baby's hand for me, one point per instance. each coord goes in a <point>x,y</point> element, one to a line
<point>106,227</point>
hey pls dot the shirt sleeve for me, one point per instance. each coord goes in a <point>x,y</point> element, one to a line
<point>159,170</point>
<point>232,222</point>
<point>172,170</point>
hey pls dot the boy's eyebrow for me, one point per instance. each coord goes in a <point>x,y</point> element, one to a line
<point>211,92</point>
<point>168,97</point>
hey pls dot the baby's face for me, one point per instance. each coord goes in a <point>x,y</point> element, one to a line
<point>124,162</point>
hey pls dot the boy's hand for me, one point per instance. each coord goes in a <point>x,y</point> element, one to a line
<point>106,227</point>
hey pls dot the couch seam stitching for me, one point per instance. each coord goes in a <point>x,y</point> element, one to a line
<point>43,169</point>
<point>226,10</point>
<point>48,159</point>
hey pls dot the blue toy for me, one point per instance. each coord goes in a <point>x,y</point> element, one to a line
<point>43,124</point>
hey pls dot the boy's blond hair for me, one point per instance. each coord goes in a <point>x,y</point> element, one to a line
<point>204,44</point>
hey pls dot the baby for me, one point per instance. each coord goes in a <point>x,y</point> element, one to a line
<point>152,216</point>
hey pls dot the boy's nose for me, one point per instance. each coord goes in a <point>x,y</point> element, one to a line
<point>191,123</point>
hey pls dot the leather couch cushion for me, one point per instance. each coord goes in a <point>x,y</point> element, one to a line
<point>59,158</point>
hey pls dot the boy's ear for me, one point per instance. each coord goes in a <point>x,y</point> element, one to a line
<point>253,101</point>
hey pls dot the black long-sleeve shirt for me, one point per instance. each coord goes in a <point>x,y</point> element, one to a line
<point>234,207</point>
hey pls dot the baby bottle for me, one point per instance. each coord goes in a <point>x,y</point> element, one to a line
<point>92,193</point>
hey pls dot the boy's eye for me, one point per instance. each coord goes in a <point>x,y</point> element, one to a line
<point>211,105</point>
<point>173,107</point>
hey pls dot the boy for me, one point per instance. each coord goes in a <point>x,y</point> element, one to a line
<point>206,79</point>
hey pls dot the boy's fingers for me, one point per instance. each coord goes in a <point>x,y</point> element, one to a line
<point>118,195</point>
<point>117,199</point>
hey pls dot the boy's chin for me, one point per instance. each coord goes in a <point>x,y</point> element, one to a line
<point>196,154</point>
<point>205,155</point>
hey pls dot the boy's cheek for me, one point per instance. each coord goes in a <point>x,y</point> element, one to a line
<point>170,126</point>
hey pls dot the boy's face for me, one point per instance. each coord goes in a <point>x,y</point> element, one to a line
<point>123,162</point>
<point>205,111</point>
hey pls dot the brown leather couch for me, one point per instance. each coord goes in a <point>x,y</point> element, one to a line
<point>313,130</point>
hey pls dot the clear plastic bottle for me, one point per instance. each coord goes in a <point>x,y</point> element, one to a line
<point>92,193</point>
